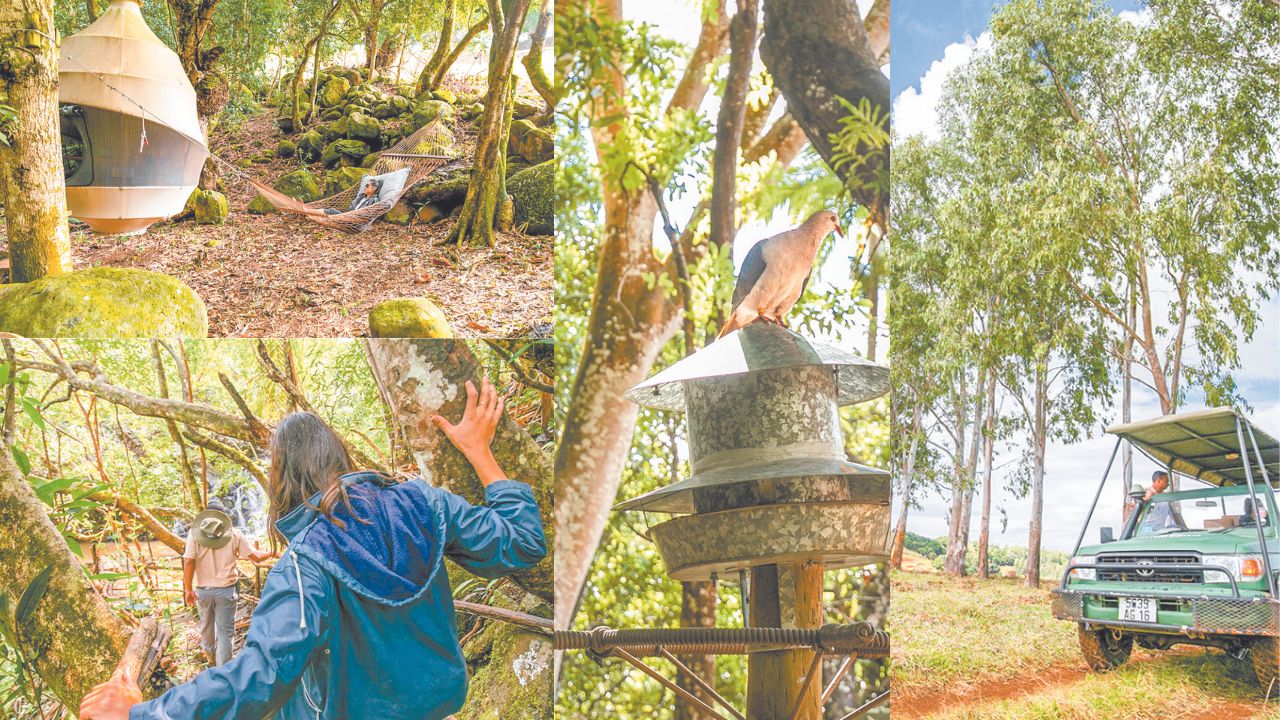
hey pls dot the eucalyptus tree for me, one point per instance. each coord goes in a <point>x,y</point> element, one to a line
<point>1158,138</point>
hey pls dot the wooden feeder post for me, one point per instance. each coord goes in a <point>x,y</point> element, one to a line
<point>772,494</point>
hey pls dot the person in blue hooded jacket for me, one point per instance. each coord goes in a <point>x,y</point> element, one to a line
<point>356,620</point>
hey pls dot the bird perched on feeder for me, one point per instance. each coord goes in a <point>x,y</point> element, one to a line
<point>776,271</point>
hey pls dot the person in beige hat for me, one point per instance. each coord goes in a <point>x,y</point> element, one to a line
<point>209,577</point>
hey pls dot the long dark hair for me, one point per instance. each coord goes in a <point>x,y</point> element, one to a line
<point>307,457</point>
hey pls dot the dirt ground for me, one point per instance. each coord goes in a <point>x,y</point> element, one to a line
<point>281,276</point>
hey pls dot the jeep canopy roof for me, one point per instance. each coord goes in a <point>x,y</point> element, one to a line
<point>1203,444</point>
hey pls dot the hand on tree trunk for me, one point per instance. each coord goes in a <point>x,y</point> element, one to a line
<point>474,432</point>
<point>112,699</point>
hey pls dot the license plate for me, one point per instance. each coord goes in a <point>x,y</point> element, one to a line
<point>1138,609</point>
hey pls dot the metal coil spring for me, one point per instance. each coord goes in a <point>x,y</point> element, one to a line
<point>859,638</point>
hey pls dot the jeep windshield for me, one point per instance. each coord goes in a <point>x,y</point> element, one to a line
<point>1216,510</point>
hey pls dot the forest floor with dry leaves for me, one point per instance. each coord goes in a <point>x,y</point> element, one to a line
<point>279,275</point>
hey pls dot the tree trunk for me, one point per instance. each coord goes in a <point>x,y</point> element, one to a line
<point>733,107</point>
<point>438,76</point>
<point>818,51</point>
<point>194,490</point>
<point>487,188</point>
<point>72,638</point>
<point>421,378</point>
<point>35,191</point>
<point>984,536</point>
<point>370,34</point>
<point>442,46</point>
<point>533,60</point>
<point>193,21</point>
<point>389,52</point>
<point>900,530</point>
<point>1038,433</point>
<point>697,610</point>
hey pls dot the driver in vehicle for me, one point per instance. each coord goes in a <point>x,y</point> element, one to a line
<point>1161,516</point>
<point>1250,516</point>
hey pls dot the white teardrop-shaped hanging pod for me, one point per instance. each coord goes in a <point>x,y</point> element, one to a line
<point>132,144</point>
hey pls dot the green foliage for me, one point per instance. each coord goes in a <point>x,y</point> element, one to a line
<point>8,123</point>
<point>865,126</point>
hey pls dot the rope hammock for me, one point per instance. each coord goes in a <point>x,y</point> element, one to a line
<point>422,153</point>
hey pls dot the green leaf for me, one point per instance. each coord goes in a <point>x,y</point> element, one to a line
<point>109,576</point>
<point>73,544</point>
<point>32,407</point>
<point>20,457</point>
<point>48,491</point>
<point>4,374</point>
<point>32,595</point>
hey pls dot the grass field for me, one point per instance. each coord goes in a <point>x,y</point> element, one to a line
<point>965,649</point>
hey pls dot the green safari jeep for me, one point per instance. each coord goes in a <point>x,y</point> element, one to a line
<point>1199,565</point>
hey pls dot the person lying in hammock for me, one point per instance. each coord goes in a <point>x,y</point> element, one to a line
<point>356,620</point>
<point>367,196</point>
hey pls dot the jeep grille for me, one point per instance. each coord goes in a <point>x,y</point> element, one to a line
<point>1152,576</point>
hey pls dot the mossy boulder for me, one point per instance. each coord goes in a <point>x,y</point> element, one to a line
<point>470,112</point>
<point>333,92</point>
<point>532,143</point>
<point>526,107</point>
<point>364,127</point>
<point>444,189</point>
<point>438,141</point>
<point>104,302</point>
<point>511,668</point>
<point>533,192</point>
<point>428,214</point>
<point>300,184</point>
<point>331,114</point>
<point>259,205</point>
<point>339,179</point>
<point>446,95</point>
<point>399,214</point>
<point>348,74</point>
<point>408,318</point>
<point>207,207</point>
<point>310,146</point>
<point>347,153</point>
<point>286,149</point>
<point>393,106</point>
<point>427,111</point>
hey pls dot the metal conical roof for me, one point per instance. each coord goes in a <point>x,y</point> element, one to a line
<point>763,346</point>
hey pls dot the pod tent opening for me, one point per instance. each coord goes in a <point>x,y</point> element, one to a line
<point>131,140</point>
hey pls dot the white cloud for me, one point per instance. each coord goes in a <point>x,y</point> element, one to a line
<point>915,112</point>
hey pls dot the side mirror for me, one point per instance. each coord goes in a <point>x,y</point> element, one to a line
<point>1137,492</point>
<point>1107,535</point>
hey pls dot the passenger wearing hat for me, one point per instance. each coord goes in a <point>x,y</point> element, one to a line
<point>209,564</point>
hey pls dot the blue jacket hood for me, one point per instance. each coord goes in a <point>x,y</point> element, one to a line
<point>359,622</point>
<point>385,545</point>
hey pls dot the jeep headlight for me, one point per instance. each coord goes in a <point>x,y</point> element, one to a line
<point>1243,568</point>
<point>1083,573</point>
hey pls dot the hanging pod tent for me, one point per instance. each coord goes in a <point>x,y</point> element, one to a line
<point>131,140</point>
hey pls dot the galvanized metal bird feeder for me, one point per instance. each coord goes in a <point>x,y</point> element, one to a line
<point>771,483</point>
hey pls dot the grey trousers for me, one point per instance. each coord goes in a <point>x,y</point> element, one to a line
<point>217,608</point>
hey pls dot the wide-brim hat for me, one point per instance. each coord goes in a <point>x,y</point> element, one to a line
<point>212,528</point>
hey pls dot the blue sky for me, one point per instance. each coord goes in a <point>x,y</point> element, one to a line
<point>921,29</point>
<point>929,39</point>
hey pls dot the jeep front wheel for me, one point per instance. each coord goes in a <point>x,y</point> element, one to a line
<point>1103,650</point>
<point>1266,664</point>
